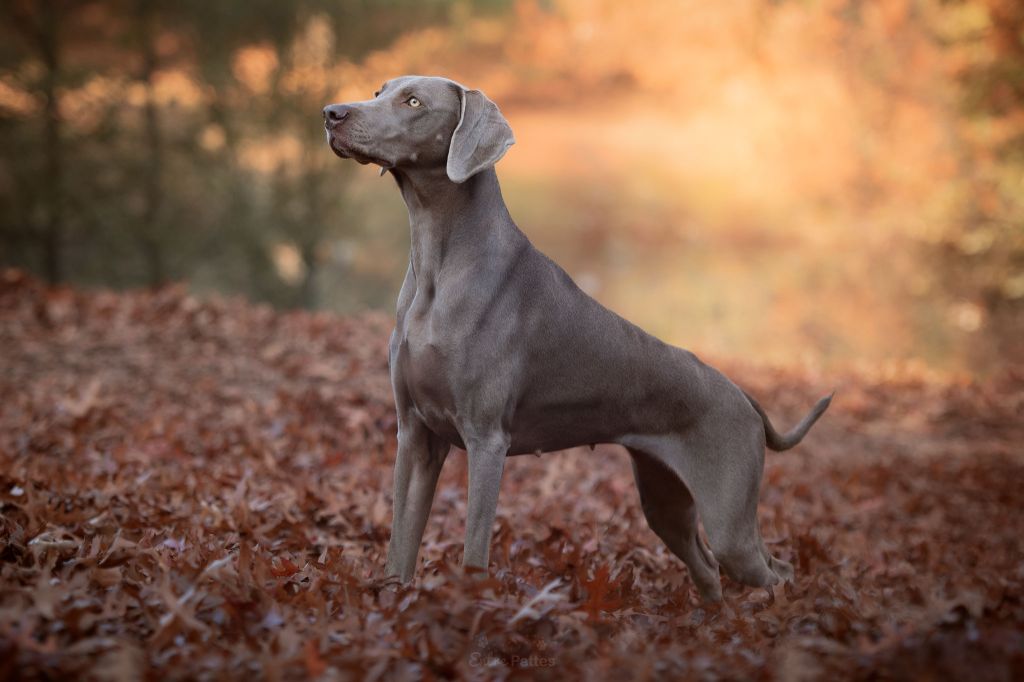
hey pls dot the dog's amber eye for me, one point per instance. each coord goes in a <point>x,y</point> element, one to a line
<point>413,102</point>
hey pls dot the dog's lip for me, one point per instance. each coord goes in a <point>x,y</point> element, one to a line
<point>338,150</point>
<point>359,157</point>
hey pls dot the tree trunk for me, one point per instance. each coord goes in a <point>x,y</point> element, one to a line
<point>152,175</point>
<point>52,237</point>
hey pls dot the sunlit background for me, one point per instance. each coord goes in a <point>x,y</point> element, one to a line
<point>825,183</point>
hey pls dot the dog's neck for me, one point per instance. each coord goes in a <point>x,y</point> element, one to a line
<point>449,220</point>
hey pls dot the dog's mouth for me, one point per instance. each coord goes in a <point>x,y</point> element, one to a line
<point>350,152</point>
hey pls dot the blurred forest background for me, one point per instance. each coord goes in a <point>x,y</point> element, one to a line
<point>801,182</point>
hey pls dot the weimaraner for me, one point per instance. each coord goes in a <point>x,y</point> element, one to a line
<point>496,350</point>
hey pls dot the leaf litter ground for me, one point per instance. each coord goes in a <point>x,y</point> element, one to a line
<point>202,489</point>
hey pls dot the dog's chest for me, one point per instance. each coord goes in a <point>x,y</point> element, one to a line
<point>426,366</point>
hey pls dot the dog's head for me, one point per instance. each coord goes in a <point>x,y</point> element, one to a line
<point>418,122</point>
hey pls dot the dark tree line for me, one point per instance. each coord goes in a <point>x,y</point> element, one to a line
<point>113,172</point>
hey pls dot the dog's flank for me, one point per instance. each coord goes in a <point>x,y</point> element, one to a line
<point>495,349</point>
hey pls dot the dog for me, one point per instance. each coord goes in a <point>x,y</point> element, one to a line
<point>497,351</point>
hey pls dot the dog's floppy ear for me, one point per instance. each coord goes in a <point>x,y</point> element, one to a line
<point>480,139</point>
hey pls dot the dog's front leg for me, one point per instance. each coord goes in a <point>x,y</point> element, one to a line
<point>417,467</point>
<point>486,464</point>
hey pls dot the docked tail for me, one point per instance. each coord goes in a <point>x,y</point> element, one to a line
<point>778,442</point>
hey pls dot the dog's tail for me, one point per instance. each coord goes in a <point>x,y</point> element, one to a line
<point>778,442</point>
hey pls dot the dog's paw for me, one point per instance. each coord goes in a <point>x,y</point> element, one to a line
<point>783,569</point>
<point>710,592</point>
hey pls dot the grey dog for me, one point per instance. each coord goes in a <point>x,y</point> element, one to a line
<point>497,351</point>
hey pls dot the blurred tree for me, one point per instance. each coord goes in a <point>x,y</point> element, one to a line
<point>138,145</point>
<point>146,23</point>
<point>984,253</point>
<point>37,37</point>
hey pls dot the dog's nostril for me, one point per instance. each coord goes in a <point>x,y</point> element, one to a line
<point>336,112</point>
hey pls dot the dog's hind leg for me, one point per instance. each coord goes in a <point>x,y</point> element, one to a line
<point>672,514</point>
<point>722,469</point>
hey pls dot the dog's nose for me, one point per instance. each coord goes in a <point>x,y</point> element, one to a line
<point>336,113</point>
